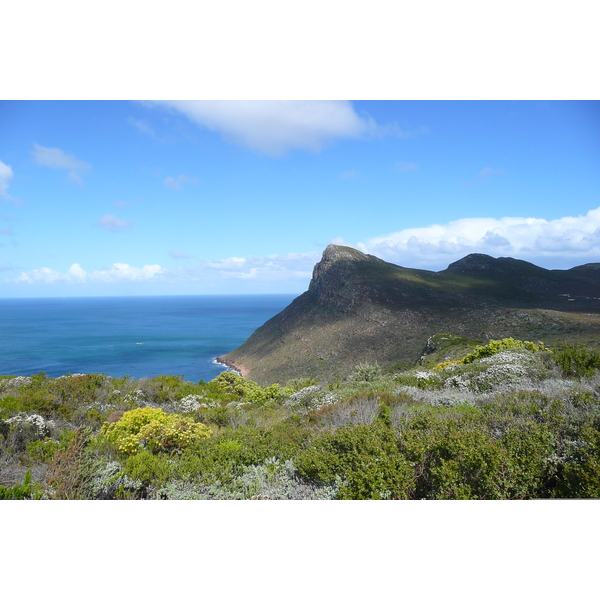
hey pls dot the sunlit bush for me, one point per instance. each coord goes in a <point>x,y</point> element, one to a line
<point>496,346</point>
<point>248,390</point>
<point>153,429</point>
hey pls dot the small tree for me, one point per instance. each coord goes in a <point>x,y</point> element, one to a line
<point>366,372</point>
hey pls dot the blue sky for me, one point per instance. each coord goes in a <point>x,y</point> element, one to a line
<point>131,197</point>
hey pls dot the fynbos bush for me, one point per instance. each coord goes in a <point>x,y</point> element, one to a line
<point>153,429</point>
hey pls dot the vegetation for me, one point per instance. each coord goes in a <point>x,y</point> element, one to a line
<point>509,419</point>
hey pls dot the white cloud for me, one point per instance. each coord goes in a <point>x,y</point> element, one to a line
<point>55,158</point>
<point>118,272</point>
<point>6,175</point>
<point>278,127</point>
<point>141,126</point>
<point>552,243</point>
<point>176,183</point>
<point>291,266</point>
<point>290,269</point>
<point>405,167</point>
<point>348,174</point>
<point>113,224</point>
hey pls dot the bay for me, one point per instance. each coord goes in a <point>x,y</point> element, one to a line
<point>141,336</point>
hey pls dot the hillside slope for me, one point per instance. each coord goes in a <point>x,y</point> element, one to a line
<point>359,309</point>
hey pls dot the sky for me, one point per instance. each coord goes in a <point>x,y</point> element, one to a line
<point>233,197</point>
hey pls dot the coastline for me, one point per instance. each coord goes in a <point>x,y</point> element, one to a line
<point>238,368</point>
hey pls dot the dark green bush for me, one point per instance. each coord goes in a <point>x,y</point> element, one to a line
<point>457,455</point>
<point>579,474</point>
<point>577,360</point>
<point>149,468</point>
<point>365,457</point>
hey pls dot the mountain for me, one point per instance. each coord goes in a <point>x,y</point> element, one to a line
<point>361,309</point>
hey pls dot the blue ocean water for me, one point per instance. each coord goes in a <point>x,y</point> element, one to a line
<point>140,336</point>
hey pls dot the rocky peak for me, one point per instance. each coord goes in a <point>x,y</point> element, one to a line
<point>473,262</point>
<point>335,257</point>
<point>332,275</point>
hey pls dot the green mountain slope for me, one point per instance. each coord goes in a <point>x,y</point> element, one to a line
<point>360,309</point>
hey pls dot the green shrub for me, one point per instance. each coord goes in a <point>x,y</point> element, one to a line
<point>451,458</point>
<point>42,451</point>
<point>579,475</point>
<point>148,468</point>
<point>25,491</point>
<point>247,390</point>
<point>577,361</point>
<point>366,372</point>
<point>365,457</point>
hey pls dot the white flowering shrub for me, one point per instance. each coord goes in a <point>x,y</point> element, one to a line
<point>109,482</point>
<point>490,372</point>
<point>271,480</point>
<point>39,426</point>
<point>458,396</point>
<point>424,375</point>
<point>461,382</point>
<point>13,383</point>
<point>22,429</point>
<point>188,403</point>
<point>310,398</point>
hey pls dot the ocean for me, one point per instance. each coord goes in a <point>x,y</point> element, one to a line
<point>142,336</point>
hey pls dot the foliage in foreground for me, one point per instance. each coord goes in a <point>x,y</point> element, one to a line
<point>508,420</point>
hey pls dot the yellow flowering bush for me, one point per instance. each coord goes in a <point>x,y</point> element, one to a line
<point>153,429</point>
<point>441,366</point>
<point>496,346</point>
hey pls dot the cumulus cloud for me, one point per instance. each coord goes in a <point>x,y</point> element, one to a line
<point>278,127</point>
<point>55,158</point>
<point>176,183</point>
<point>269,268</point>
<point>291,269</point>
<point>113,224</point>
<point>118,272</point>
<point>546,243</point>
<point>405,167</point>
<point>6,175</point>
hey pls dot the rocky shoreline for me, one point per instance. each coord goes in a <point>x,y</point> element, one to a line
<point>238,368</point>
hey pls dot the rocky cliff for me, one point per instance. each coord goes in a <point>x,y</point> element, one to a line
<point>359,308</point>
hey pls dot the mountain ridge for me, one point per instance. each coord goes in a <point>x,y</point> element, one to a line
<point>359,308</point>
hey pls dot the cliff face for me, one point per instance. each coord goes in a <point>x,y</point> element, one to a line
<point>359,308</point>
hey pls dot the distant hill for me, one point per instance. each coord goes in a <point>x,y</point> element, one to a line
<point>361,309</point>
